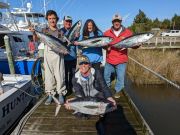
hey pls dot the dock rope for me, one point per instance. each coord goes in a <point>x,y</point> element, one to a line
<point>158,75</point>
<point>23,121</point>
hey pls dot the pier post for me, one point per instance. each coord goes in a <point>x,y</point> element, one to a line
<point>9,54</point>
<point>170,42</point>
<point>156,42</point>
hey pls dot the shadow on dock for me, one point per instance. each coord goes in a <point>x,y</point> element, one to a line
<point>114,123</point>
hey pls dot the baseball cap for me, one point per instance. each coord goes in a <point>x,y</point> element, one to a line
<point>83,59</point>
<point>67,18</point>
<point>117,17</point>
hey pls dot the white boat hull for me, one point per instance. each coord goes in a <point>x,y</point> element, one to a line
<point>13,101</point>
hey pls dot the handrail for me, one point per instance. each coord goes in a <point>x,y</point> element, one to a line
<point>158,75</point>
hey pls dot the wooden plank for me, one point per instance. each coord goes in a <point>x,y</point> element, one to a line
<point>122,121</point>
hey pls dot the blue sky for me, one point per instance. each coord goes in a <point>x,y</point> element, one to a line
<point>101,11</point>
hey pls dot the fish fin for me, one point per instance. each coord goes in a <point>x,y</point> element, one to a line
<point>75,112</point>
<point>56,100</point>
<point>57,109</point>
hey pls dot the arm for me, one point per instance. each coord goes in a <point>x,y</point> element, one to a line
<point>105,89</point>
<point>78,91</point>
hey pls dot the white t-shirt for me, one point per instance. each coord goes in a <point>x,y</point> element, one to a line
<point>117,32</point>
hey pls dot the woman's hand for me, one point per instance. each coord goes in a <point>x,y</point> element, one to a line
<point>75,43</point>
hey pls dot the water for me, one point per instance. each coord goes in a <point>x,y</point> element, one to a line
<point>159,105</point>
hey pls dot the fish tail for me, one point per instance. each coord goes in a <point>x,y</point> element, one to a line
<point>67,40</point>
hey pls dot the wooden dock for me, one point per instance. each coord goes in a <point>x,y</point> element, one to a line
<point>126,120</point>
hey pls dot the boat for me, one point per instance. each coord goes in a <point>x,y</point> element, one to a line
<point>19,39</point>
<point>18,19</point>
<point>15,100</point>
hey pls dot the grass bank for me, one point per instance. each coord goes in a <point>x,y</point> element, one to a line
<point>167,64</point>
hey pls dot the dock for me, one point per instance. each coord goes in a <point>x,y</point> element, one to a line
<point>126,120</point>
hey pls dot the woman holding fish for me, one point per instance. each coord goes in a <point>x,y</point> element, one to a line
<point>90,30</point>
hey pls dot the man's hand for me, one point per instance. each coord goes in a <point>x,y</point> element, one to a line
<point>66,105</point>
<point>31,29</point>
<point>112,100</point>
<point>76,35</point>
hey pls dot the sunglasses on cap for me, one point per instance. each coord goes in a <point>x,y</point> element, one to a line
<point>70,21</point>
<point>116,20</point>
<point>85,63</point>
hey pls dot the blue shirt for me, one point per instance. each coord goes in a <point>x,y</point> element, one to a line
<point>93,53</point>
<point>72,48</point>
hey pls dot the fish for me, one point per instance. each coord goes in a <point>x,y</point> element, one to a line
<point>134,40</point>
<point>95,41</point>
<point>56,44</point>
<point>91,105</point>
<point>58,105</point>
<point>74,29</point>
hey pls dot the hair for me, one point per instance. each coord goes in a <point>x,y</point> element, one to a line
<point>85,29</point>
<point>51,12</point>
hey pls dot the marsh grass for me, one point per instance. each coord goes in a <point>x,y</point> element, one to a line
<point>165,63</point>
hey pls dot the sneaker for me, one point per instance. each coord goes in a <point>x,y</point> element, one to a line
<point>117,95</point>
<point>49,100</point>
<point>61,99</point>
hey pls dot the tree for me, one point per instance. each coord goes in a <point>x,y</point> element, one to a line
<point>175,22</point>
<point>141,17</point>
<point>165,24</point>
<point>156,23</point>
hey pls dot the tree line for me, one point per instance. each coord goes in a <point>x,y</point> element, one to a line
<point>142,23</point>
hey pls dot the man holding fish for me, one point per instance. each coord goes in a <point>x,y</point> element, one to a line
<point>71,58</point>
<point>53,58</point>
<point>88,82</point>
<point>116,58</point>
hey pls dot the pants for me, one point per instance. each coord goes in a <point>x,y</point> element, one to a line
<point>70,67</point>
<point>120,74</point>
<point>96,66</point>
<point>54,72</point>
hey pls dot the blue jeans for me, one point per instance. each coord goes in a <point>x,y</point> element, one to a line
<point>120,70</point>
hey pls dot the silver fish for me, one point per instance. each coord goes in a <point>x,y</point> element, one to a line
<point>133,40</point>
<point>54,43</point>
<point>92,106</point>
<point>95,41</point>
<point>75,29</point>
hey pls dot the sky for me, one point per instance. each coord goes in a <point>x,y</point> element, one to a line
<point>101,11</point>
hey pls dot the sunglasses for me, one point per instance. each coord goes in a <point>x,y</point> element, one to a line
<point>85,63</point>
<point>69,21</point>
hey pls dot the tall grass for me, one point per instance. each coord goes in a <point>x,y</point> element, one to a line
<point>165,63</point>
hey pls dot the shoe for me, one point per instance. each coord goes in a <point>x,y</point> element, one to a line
<point>117,95</point>
<point>61,99</point>
<point>49,100</point>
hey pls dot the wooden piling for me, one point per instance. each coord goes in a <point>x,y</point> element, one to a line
<point>9,54</point>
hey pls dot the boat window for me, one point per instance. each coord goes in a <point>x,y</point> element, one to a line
<point>17,39</point>
<point>2,45</point>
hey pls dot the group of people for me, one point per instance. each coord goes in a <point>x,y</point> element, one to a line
<point>61,75</point>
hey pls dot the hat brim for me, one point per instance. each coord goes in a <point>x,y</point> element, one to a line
<point>117,20</point>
